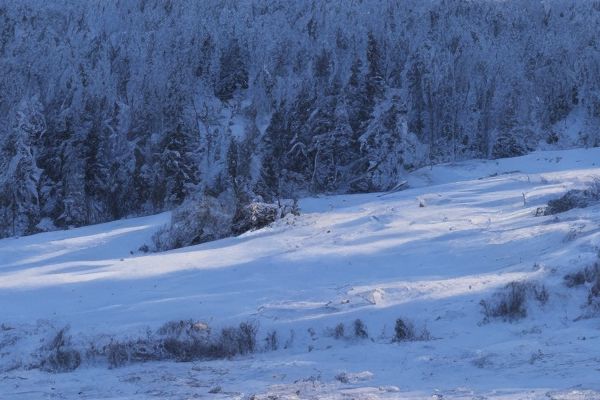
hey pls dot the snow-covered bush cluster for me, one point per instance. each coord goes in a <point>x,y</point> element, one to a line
<point>588,277</point>
<point>111,109</point>
<point>575,198</point>
<point>56,350</point>
<point>194,222</point>
<point>200,220</point>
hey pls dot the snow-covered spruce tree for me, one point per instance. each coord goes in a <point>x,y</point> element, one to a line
<point>233,73</point>
<point>19,199</point>
<point>332,151</point>
<point>96,171</point>
<point>389,148</point>
<point>179,171</point>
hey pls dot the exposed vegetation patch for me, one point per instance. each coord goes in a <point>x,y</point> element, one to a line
<point>510,303</point>
<point>58,355</point>
<point>586,275</point>
<point>590,278</point>
<point>185,341</point>
<point>576,198</point>
<point>209,218</point>
<point>405,331</point>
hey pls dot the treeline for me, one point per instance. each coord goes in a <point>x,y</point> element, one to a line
<point>113,109</point>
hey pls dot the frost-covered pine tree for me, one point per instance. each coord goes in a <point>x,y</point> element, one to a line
<point>179,170</point>
<point>19,199</point>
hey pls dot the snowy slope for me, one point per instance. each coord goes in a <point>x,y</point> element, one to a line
<point>376,257</point>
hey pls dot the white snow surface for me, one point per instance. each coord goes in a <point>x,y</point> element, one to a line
<point>428,254</point>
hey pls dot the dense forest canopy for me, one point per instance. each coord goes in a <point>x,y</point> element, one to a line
<point>116,108</point>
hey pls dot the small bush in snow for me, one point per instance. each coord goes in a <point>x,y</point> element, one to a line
<point>575,198</point>
<point>254,216</point>
<point>117,354</point>
<point>247,337</point>
<point>594,294</point>
<point>586,275</point>
<point>510,303</point>
<point>184,341</point>
<point>338,331</point>
<point>575,279</point>
<point>272,341</point>
<point>215,390</point>
<point>60,356</point>
<point>290,340</point>
<point>404,331</point>
<point>184,329</point>
<point>483,361</point>
<point>234,341</point>
<point>195,221</point>
<point>541,294</point>
<point>342,377</point>
<point>360,329</point>
<point>257,215</point>
<point>208,218</point>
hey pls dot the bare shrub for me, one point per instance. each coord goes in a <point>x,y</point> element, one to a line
<point>342,377</point>
<point>272,341</point>
<point>510,303</point>
<point>482,361</point>
<point>360,329</point>
<point>60,356</point>
<point>203,219</point>
<point>594,294</point>
<point>227,344</point>
<point>290,340</point>
<point>234,341</point>
<point>247,337</point>
<point>184,330</point>
<point>576,198</point>
<point>404,331</point>
<point>541,294</point>
<point>589,276</point>
<point>117,354</point>
<point>575,279</point>
<point>215,390</point>
<point>257,215</point>
<point>184,341</point>
<point>254,216</point>
<point>195,221</point>
<point>581,277</point>
<point>338,331</point>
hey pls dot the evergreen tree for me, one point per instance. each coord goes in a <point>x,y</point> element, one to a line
<point>179,169</point>
<point>273,147</point>
<point>332,148</point>
<point>358,101</point>
<point>19,179</point>
<point>375,74</point>
<point>233,72</point>
<point>96,170</point>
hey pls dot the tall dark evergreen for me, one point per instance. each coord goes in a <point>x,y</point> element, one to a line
<point>179,170</point>
<point>19,198</point>
<point>233,72</point>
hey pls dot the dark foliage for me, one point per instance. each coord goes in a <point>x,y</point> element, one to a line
<point>360,329</point>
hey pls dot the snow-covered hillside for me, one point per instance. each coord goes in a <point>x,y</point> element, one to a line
<point>427,255</point>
